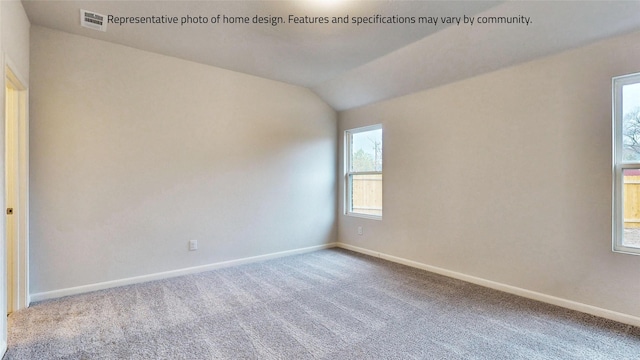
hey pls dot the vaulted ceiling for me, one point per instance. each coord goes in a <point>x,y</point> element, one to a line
<point>351,65</point>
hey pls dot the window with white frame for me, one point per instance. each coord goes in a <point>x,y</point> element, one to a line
<point>363,175</point>
<point>626,164</point>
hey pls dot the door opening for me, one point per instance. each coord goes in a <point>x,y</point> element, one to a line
<point>16,192</point>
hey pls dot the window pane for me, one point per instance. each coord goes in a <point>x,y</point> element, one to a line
<point>366,194</point>
<point>631,122</point>
<point>366,151</point>
<point>631,196</point>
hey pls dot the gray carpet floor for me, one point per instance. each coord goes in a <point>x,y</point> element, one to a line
<point>330,304</point>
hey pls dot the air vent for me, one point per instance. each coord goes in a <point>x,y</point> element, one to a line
<point>92,20</point>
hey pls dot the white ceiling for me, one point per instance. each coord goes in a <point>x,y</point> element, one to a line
<point>349,65</point>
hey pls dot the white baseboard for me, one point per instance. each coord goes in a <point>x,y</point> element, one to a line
<point>569,304</point>
<point>169,274</point>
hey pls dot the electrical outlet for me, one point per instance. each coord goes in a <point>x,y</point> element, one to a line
<point>360,232</point>
<point>193,245</point>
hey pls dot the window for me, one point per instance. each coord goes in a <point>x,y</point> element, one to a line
<point>626,164</point>
<point>364,172</point>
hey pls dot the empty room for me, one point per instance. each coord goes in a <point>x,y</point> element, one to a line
<point>320,179</point>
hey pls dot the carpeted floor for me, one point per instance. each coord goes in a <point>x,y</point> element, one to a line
<point>330,304</point>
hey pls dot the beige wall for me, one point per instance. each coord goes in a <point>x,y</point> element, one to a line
<point>507,177</point>
<point>15,36</point>
<point>134,153</point>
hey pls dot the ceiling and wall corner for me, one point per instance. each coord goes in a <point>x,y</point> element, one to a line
<point>347,65</point>
<point>457,53</point>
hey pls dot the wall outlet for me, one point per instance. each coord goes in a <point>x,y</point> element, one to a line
<point>193,245</point>
<point>360,232</point>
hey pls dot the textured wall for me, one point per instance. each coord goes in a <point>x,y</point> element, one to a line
<point>134,153</point>
<point>507,177</point>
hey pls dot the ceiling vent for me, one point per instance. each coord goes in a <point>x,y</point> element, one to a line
<point>92,20</point>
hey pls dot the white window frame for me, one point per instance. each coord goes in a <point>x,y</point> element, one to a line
<point>619,165</point>
<point>348,173</point>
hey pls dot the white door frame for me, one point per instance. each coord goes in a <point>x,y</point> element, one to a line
<point>17,136</point>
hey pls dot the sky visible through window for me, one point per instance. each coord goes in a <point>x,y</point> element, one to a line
<point>630,98</point>
<point>631,122</point>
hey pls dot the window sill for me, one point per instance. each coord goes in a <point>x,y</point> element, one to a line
<point>627,250</point>
<point>364,216</point>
